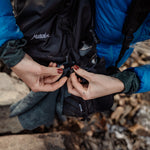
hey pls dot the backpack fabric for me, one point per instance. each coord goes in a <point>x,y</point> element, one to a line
<point>65,22</point>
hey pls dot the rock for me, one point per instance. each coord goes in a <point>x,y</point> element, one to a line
<point>113,108</point>
<point>145,96</point>
<point>63,140</point>
<point>140,145</point>
<point>11,90</point>
<point>103,123</point>
<point>93,143</point>
<point>127,100</point>
<point>51,141</point>
<point>8,125</point>
<point>117,97</point>
<point>139,130</point>
<point>124,137</point>
<point>143,47</point>
<point>143,116</point>
<point>81,125</point>
<point>122,102</point>
<point>4,68</point>
<point>94,146</point>
<point>122,121</point>
<point>13,74</point>
<point>128,62</point>
<point>117,113</point>
<point>141,62</point>
<point>134,64</point>
<point>89,133</point>
<point>133,112</point>
<point>135,56</point>
<point>127,110</point>
<point>133,102</point>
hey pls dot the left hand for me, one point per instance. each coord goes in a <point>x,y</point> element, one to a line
<point>99,85</point>
<point>38,77</point>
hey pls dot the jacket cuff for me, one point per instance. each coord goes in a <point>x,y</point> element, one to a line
<point>130,80</point>
<point>11,53</point>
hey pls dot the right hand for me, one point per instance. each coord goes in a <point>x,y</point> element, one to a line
<point>99,85</point>
<point>38,77</point>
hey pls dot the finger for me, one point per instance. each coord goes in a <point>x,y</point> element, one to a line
<point>71,89</point>
<point>76,84</point>
<point>79,79</point>
<point>50,64</point>
<point>50,71</point>
<point>54,65</point>
<point>51,79</point>
<point>83,73</point>
<point>54,86</point>
<point>62,66</point>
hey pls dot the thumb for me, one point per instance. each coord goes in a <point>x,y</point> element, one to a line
<point>83,73</point>
<point>51,71</point>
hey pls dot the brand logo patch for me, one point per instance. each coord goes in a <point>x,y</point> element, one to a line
<point>40,36</point>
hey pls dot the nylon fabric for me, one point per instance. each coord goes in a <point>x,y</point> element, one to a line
<point>11,53</point>
<point>9,30</point>
<point>143,72</point>
<point>130,80</point>
<point>67,23</point>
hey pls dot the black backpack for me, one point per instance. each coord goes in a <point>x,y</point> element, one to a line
<point>57,31</point>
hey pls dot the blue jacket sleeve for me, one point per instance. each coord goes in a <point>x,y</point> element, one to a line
<point>8,28</point>
<point>143,72</point>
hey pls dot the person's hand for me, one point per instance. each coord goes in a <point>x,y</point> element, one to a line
<point>38,77</point>
<point>98,86</point>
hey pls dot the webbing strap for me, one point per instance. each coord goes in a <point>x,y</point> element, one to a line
<point>137,13</point>
<point>125,46</point>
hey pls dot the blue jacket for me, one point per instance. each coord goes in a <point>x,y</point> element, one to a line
<point>110,16</point>
<point>8,28</point>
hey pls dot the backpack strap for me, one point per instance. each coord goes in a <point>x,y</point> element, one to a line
<point>137,13</point>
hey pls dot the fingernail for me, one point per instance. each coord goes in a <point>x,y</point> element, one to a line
<point>60,71</point>
<point>76,67</point>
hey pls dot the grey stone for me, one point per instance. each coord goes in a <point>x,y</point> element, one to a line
<point>143,116</point>
<point>49,141</point>
<point>8,125</point>
<point>11,91</point>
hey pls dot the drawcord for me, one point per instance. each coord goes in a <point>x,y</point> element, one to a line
<point>67,29</point>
